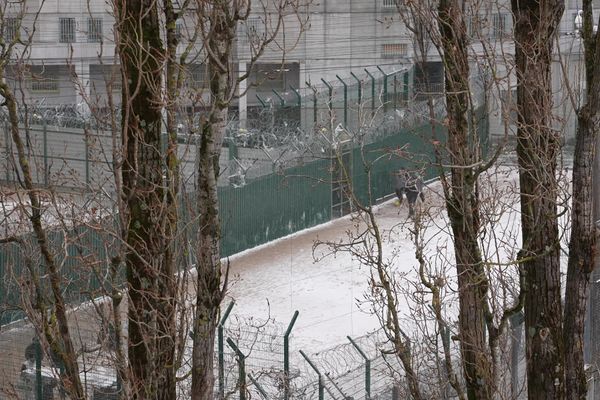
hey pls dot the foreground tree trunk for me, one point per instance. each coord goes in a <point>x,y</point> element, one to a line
<point>582,246</point>
<point>537,149</point>
<point>462,204</point>
<point>209,292</point>
<point>149,274</point>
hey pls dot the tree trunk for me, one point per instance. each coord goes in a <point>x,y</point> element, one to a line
<point>537,148</point>
<point>462,204</point>
<point>582,246</point>
<point>149,275</point>
<point>209,292</point>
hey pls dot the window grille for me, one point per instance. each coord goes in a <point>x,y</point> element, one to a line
<point>179,30</point>
<point>11,29</point>
<point>509,104</point>
<point>94,32</point>
<point>44,85</point>
<point>198,76</point>
<point>394,50</point>
<point>255,29</point>
<point>499,28</point>
<point>391,3</point>
<point>67,30</point>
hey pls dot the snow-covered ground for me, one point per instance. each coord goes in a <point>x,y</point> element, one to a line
<point>280,277</point>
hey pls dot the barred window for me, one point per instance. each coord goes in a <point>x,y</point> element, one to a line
<point>509,104</point>
<point>391,3</point>
<point>66,30</point>
<point>198,76</point>
<point>255,29</point>
<point>45,85</point>
<point>94,31</point>
<point>499,28</point>
<point>179,29</point>
<point>11,29</point>
<point>394,50</point>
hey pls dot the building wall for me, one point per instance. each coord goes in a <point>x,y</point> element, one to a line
<point>338,37</point>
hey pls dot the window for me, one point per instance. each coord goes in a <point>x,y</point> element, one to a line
<point>499,28</point>
<point>393,4</point>
<point>509,105</point>
<point>179,30</point>
<point>394,50</point>
<point>473,26</point>
<point>44,85</point>
<point>255,29</point>
<point>67,30</point>
<point>94,31</point>
<point>11,29</point>
<point>198,76</point>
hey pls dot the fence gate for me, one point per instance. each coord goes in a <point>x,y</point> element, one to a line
<point>341,167</point>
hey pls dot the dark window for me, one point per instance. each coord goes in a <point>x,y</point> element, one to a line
<point>94,32</point>
<point>11,29</point>
<point>67,30</point>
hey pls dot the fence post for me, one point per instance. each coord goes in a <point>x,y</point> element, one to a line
<point>345,101</point>
<point>86,132</point>
<point>281,99</point>
<point>314,367</point>
<point>329,103</point>
<point>286,356</point>
<point>314,101</point>
<point>45,139</point>
<point>372,92</point>
<point>221,350</point>
<point>385,89</point>
<point>39,385</point>
<point>262,102</point>
<point>8,151</point>
<point>367,368</point>
<point>359,102</point>
<point>298,95</point>
<point>405,87</point>
<point>242,368</point>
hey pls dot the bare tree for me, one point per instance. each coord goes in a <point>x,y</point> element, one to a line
<point>583,242</point>
<point>53,315</point>
<point>537,149</point>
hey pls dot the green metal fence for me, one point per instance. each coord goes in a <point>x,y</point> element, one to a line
<point>295,192</point>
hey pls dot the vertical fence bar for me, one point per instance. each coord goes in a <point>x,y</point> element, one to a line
<point>8,151</point>
<point>221,350</point>
<point>367,368</point>
<point>345,101</point>
<point>385,89</point>
<point>298,95</point>
<point>286,356</point>
<point>395,92</point>
<point>372,92</point>
<point>262,102</point>
<point>281,99</point>
<point>242,368</point>
<point>45,139</point>
<point>86,133</point>
<point>314,101</point>
<point>329,103</point>
<point>314,367</point>
<point>39,392</point>
<point>359,102</point>
<point>405,87</point>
